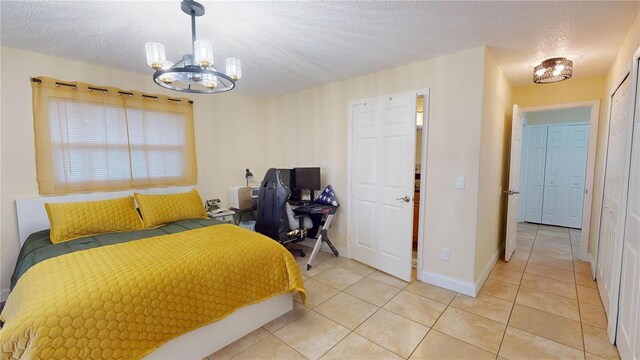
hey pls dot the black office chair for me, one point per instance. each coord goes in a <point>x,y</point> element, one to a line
<point>272,220</point>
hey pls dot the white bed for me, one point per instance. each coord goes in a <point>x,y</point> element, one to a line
<point>196,344</point>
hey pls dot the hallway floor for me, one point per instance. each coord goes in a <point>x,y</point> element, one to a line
<point>542,304</point>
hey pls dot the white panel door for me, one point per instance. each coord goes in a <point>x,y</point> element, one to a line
<point>554,195</point>
<point>613,204</point>
<point>513,193</point>
<point>628,334</point>
<point>536,162</point>
<point>383,156</point>
<point>576,168</point>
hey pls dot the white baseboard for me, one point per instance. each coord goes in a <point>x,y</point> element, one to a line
<point>452,284</point>
<point>4,294</point>
<point>487,269</point>
<point>463,287</point>
<point>312,242</point>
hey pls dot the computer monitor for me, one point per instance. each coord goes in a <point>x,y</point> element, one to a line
<point>287,176</point>
<point>307,178</point>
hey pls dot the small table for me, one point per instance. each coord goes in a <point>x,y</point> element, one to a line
<point>241,213</point>
<point>225,216</point>
<point>328,213</point>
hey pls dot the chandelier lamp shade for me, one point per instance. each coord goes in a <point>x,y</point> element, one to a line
<point>553,70</point>
<point>195,72</point>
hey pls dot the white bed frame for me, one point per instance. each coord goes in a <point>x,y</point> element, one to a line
<point>196,344</point>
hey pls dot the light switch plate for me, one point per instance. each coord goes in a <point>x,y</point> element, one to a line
<point>460,182</point>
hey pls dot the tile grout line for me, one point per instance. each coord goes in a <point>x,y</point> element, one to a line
<point>519,286</point>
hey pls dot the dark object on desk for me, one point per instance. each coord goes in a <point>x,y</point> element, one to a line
<point>307,178</point>
<point>272,219</point>
<point>299,179</point>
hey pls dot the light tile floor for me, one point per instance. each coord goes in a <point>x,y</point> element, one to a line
<point>540,305</point>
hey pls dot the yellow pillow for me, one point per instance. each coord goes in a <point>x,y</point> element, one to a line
<point>78,219</point>
<point>157,210</point>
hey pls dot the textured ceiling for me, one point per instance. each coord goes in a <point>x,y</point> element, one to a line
<point>289,46</point>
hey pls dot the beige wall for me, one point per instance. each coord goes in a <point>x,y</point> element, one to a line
<point>559,116</point>
<point>620,67</point>
<point>226,139</point>
<point>309,126</point>
<point>494,164</point>
<point>573,90</point>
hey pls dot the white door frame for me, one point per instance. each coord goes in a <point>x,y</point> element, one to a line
<point>423,171</point>
<point>591,164</point>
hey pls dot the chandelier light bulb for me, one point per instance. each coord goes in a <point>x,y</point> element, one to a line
<point>234,68</point>
<point>210,81</point>
<point>203,53</point>
<point>155,55</point>
<point>168,78</point>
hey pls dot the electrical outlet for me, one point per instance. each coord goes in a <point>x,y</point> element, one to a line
<point>445,254</point>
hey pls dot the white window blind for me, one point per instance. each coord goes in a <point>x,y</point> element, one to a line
<point>93,143</point>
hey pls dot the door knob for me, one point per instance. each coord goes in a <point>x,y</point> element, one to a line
<point>406,199</point>
<point>511,192</point>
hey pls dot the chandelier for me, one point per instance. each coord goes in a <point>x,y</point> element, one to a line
<point>553,70</point>
<point>194,73</point>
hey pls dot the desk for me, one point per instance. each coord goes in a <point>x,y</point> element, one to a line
<point>225,216</point>
<point>241,212</point>
<point>328,213</point>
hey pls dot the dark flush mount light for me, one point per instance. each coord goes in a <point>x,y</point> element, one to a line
<point>553,70</point>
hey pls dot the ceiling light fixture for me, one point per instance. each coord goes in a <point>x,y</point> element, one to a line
<point>553,70</point>
<point>194,73</point>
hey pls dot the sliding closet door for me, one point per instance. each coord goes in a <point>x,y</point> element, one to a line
<point>554,197</point>
<point>536,160</point>
<point>613,204</point>
<point>576,167</point>
<point>628,335</point>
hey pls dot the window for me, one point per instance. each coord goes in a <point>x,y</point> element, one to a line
<point>107,139</point>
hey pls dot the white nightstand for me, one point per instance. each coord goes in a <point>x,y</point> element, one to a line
<point>225,216</point>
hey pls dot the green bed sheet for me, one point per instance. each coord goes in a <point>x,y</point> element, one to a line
<point>38,247</point>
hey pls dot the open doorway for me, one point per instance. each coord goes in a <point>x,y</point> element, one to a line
<point>417,178</point>
<point>556,173</point>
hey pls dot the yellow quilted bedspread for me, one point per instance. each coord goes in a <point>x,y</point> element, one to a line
<point>123,301</point>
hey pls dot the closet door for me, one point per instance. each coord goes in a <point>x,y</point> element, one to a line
<point>613,204</point>
<point>628,335</point>
<point>554,180</point>
<point>576,168</point>
<point>536,160</point>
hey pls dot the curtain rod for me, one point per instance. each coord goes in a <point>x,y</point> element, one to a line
<point>91,88</point>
